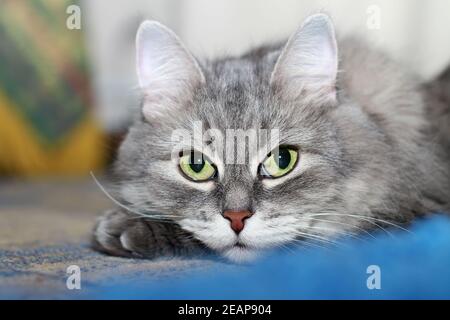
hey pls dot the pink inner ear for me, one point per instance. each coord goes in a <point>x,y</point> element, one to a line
<point>167,72</point>
<point>309,59</point>
<point>155,46</point>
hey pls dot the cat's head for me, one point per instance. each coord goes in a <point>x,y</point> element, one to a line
<point>236,194</point>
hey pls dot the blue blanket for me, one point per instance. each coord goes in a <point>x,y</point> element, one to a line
<point>397,265</point>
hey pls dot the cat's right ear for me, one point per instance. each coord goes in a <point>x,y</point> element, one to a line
<point>167,72</point>
<point>309,61</point>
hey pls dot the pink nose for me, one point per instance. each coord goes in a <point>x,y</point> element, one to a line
<point>237,219</point>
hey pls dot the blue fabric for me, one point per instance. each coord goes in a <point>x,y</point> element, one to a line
<point>413,265</point>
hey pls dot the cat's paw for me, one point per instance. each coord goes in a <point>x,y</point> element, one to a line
<point>121,234</point>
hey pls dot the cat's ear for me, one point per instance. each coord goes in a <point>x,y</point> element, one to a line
<point>309,61</point>
<point>167,72</point>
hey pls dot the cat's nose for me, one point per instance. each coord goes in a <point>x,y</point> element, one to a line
<point>237,219</point>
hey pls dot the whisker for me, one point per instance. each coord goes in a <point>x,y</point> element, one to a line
<point>286,248</point>
<point>368,219</point>
<point>310,236</point>
<point>316,237</point>
<point>375,219</point>
<point>310,244</point>
<point>338,232</point>
<point>117,202</point>
<point>340,223</point>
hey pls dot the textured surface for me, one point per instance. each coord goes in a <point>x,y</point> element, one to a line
<point>44,228</point>
<point>412,265</point>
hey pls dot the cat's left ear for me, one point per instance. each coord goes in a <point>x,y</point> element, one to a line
<point>309,61</point>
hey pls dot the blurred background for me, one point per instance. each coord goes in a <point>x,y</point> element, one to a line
<point>68,90</point>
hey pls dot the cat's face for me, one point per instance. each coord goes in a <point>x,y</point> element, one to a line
<point>238,197</point>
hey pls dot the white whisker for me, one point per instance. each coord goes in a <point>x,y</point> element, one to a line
<point>339,223</point>
<point>338,232</point>
<point>117,202</point>
<point>371,220</point>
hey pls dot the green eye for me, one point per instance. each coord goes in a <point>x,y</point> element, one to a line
<point>196,167</point>
<point>277,165</point>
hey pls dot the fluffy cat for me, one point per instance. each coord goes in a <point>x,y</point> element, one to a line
<point>362,145</point>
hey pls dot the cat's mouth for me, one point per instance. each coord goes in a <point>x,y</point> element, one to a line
<point>240,245</point>
<point>240,252</point>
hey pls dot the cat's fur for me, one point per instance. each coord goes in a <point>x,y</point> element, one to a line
<point>376,149</point>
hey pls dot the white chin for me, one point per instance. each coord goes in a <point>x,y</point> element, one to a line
<point>240,254</point>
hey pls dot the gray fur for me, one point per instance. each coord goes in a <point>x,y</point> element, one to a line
<point>382,151</point>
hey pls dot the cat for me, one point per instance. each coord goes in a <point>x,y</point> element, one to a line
<point>362,144</point>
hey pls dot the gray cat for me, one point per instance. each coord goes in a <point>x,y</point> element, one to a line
<point>362,144</point>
